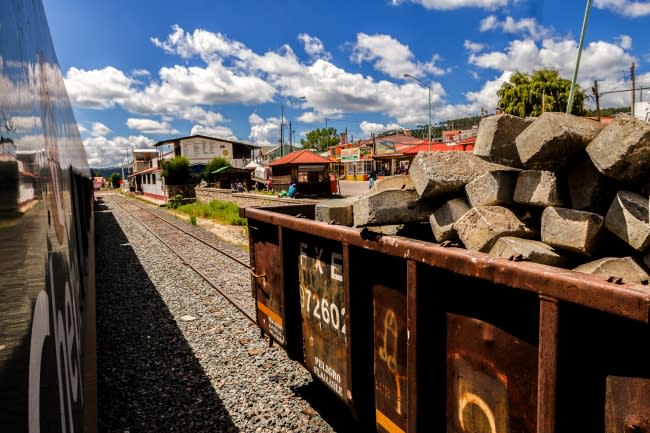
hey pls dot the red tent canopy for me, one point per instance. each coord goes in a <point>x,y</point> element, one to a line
<point>462,145</point>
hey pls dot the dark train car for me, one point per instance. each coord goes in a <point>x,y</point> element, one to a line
<point>415,337</point>
<point>47,338</point>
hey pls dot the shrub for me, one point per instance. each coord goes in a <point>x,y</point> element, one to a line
<point>176,171</point>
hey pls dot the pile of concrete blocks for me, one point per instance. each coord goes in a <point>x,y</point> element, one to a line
<point>559,190</point>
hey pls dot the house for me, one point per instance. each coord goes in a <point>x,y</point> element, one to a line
<point>145,175</point>
<point>199,149</point>
<point>309,170</point>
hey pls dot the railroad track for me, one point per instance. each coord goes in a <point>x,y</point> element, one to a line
<point>183,241</point>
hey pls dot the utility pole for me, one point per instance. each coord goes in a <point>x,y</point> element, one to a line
<point>282,130</point>
<point>633,87</point>
<point>290,137</point>
<point>594,89</point>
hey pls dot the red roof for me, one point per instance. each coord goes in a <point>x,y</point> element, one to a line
<point>300,157</point>
<point>462,145</point>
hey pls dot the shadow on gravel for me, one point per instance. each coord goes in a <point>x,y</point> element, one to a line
<point>332,409</point>
<point>148,377</point>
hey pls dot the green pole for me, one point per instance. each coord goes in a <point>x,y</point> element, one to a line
<point>580,45</point>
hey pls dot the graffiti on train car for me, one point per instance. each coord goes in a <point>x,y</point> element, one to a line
<point>323,313</point>
<point>56,327</point>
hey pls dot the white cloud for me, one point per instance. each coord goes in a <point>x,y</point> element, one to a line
<point>215,131</point>
<point>140,73</point>
<point>600,60</point>
<point>369,128</point>
<point>264,132</point>
<point>625,7</point>
<point>314,47</point>
<point>99,129</point>
<point>113,152</point>
<point>391,57</point>
<point>473,47</point>
<point>149,126</point>
<point>525,26</point>
<point>624,41</point>
<point>99,88</point>
<point>457,4</point>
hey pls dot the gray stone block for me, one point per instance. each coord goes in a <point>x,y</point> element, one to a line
<point>481,226</point>
<point>625,267</point>
<point>443,219</point>
<point>537,188</point>
<point>337,211</point>
<point>622,150</point>
<point>571,230</point>
<point>400,181</point>
<point>553,139</point>
<point>588,189</point>
<point>527,249</point>
<point>496,139</point>
<point>437,173</point>
<point>628,218</point>
<point>491,189</point>
<point>391,207</point>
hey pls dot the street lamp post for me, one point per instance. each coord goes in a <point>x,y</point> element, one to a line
<point>429,89</point>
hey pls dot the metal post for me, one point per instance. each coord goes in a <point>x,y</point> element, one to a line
<point>282,130</point>
<point>575,71</point>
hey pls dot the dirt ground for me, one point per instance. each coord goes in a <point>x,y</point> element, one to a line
<point>236,235</point>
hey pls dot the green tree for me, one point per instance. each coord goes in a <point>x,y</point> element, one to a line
<point>176,171</point>
<point>215,164</point>
<point>114,179</point>
<point>543,90</point>
<point>320,139</point>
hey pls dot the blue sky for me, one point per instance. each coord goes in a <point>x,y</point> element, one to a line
<point>139,72</point>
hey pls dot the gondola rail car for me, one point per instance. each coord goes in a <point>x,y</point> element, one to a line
<point>47,337</point>
<point>415,337</point>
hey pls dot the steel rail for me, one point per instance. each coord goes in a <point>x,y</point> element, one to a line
<point>234,302</point>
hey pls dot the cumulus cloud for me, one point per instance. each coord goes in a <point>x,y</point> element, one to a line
<point>214,131</point>
<point>624,41</point>
<point>314,47</point>
<point>628,8</point>
<point>456,4</point>
<point>264,132</point>
<point>525,26</point>
<point>99,129</point>
<point>149,126</point>
<point>473,47</point>
<point>104,151</point>
<point>369,128</point>
<point>99,88</point>
<point>391,57</point>
<point>600,60</point>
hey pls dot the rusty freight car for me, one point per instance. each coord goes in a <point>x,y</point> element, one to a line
<point>415,337</point>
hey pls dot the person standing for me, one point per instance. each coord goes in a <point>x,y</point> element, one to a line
<point>372,177</point>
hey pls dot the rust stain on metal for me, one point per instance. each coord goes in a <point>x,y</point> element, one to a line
<point>267,283</point>
<point>627,406</point>
<point>324,321</point>
<point>389,312</point>
<point>492,378</point>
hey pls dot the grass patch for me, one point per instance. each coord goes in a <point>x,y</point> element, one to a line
<point>220,211</point>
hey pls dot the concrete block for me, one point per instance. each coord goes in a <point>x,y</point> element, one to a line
<point>527,249</point>
<point>496,139</point>
<point>571,230</point>
<point>391,207</point>
<point>622,150</point>
<point>537,188</point>
<point>437,173</point>
<point>491,189</point>
<point>625,267</point>
<point>443,219</point>
<point>337,211</point>
<point>588,189</point>
<point>628,219</point>
<point>553,139</point>
<point>399,181</point>
<point>481,226</point>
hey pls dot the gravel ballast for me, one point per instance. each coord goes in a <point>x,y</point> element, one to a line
<point>173,355</point>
